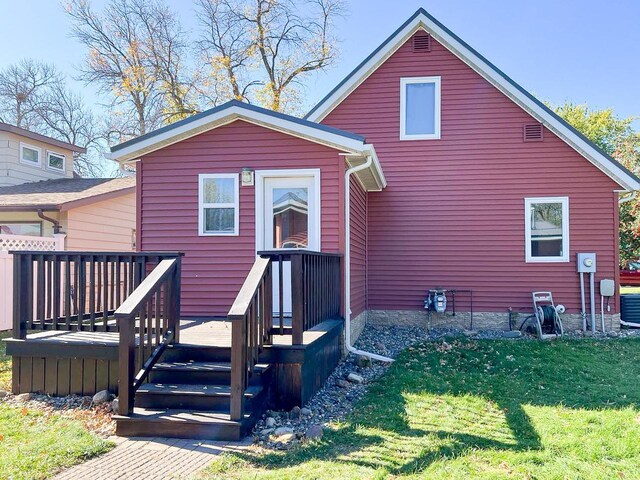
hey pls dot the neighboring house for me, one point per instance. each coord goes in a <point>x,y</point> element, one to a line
<point>29,157</point>
<point>470,183</point>
<point>93,213</point>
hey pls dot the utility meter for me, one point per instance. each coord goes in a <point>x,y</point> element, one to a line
<point>586,263</point>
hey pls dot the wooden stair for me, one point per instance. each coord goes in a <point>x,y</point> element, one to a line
<point>188,393</point>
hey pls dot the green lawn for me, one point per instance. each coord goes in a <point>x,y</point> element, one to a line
<point>35,445</point>
<point>481,409</point>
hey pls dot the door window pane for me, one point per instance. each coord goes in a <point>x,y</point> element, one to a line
<point>546,232</point>
<point>420,109</point>
<point>290,217</point>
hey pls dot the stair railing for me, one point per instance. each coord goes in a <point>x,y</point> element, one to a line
<point>251,317</point>
<point>148,320</point>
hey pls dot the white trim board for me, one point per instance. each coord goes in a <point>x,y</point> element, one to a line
<point>421,20</point>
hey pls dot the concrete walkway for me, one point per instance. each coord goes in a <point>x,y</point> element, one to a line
<point>151,459</point>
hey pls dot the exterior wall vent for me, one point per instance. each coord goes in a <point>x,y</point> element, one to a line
<point>421,42</point>
<point>533,132</point>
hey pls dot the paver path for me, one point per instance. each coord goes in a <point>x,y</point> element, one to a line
<point>150,459</point>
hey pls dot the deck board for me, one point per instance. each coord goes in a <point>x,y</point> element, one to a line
<point>202,332</point>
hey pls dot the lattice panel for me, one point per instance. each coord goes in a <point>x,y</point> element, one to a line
<point>23,242</point>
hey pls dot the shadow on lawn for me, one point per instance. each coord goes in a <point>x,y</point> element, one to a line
<point>568,369</point>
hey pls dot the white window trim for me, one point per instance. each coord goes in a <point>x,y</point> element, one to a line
<point>404,81</point>
<point>64,161</point>
<point>202,205</point>
<point>28,162</point>
<point>565,229</point>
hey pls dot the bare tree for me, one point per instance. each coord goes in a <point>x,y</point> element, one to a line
<point>21,86</point>
<point>64,115</point>
<point>265,48</point>
<point>136,50</point>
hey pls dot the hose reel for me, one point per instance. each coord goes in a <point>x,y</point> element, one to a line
<point>547,315</point>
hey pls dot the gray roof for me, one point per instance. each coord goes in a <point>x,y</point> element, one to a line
<point>53,194</point>
<point>6,127</point>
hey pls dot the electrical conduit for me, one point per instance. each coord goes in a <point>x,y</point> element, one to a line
<point>347,263</point>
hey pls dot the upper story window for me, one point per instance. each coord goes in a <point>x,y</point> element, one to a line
<point>219,204</point>
<point>30,155</point>
<point>21,228</point>
<point>419,108</point>
<point>547,229</point>
<point>55,161</point>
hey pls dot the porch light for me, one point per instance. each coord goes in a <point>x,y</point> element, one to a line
<point>247,177</point>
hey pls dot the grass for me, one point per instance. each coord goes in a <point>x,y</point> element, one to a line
<point>34,444</point>
<point>480,409</point>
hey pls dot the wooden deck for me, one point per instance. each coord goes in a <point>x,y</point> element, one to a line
<point>200,332</point>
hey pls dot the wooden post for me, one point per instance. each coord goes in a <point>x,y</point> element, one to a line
<point>126,365</point>
<point>238,367</point>
<point>297,299</point>
<point>22,294</point>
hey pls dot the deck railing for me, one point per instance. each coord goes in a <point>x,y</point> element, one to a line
<point>251,324</point>
<point>316,286</point>
<point>75,290</point>
<point>148,320</point>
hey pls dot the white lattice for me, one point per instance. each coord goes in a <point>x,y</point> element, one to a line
<point>25,242</point>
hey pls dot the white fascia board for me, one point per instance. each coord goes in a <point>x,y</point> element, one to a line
<point>490,73</point>
<point>227,116</point>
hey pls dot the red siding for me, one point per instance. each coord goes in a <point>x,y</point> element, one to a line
<point>215,267</point>
<point>453,212</point>
<point>358,239</point>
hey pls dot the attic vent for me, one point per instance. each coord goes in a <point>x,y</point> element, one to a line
<point>533,132</point>
<point>422,42</point>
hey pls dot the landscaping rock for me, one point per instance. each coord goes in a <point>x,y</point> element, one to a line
<point>282,431</point>
<point>24,397</point>
<point>613,334</point>
<point>115,404</point>
<point>285,438</point>
<point>266,432</point>
<point>469,333</point>
<point>355,378</point>
<point>294,414</point>
<point>342,383</point>
<point>363,361</point>
<point>305,412</point>
<point>512,334</point>
<point>270,422</point>
<point>103,396</point>
<point>3,393</point>
<point>314,432</point>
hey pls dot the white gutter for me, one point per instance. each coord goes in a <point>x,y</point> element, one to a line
<point>347,263</point>
<point>627,198</point>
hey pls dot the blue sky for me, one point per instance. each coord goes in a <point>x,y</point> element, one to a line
<point>586,51</point>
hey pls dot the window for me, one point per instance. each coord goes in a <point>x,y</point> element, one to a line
<point>420,108</point>
<point>55,161</point>
<point>29,154</point>
<point>21,228</point>
<point>219,204</point>
<point>547,229</point>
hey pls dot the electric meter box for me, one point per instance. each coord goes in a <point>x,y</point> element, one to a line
<point>586,262</point>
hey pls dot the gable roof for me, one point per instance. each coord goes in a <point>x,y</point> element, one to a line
<point>233,110</point>
<point>6,127</point>
<point>63,194</point>
<point>421,20</point>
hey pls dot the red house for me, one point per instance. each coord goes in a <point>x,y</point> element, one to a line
<point>462,180</point>
<point>425,168</point>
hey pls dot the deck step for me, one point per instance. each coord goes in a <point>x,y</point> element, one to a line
<point>206,373</point>
<point>185,352</point>
<point>176,423</point>
<point>214,398</point>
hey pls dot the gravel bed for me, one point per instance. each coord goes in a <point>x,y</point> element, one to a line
<point>95,417</point>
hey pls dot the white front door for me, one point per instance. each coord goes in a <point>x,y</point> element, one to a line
<point>290,221</point>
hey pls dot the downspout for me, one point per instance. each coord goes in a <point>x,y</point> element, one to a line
<point>347,264</point>
<point>56,223</point>
<point>627,198</point>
